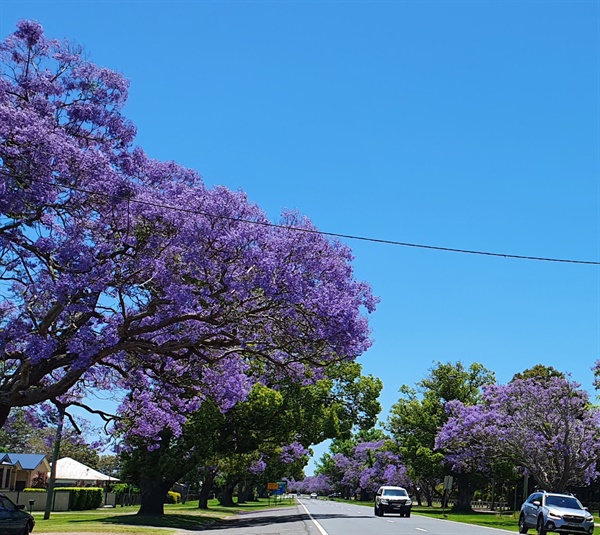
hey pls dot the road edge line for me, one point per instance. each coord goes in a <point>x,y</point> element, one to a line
<point>319,527</point>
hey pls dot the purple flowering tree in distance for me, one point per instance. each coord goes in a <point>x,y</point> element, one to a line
<point>318,483</point>
<point>106,285</point>
<point>370,465</point>
<point>545,427</point>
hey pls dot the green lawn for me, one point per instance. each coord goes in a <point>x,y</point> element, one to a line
<point>506,520</point>
<point>125,520</point>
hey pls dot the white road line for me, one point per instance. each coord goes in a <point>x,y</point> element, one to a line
<point>421,529</point>
<point>319,527</point>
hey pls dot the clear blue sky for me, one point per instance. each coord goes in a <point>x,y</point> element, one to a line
<point>473,125</point>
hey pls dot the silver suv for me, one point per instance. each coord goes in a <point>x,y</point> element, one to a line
<point>392,500</point>
<point>560,513</point>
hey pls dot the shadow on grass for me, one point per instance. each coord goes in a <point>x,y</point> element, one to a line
<point>177,517</point>
<point>173,521</point>
<point>251,519</point>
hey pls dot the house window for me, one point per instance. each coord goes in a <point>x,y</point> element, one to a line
<point>7,481</point>
<point>1,475</point>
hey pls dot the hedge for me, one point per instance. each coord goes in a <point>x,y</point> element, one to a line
<point>84,497</point>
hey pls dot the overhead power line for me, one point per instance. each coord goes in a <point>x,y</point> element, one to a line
<point>325,233</point>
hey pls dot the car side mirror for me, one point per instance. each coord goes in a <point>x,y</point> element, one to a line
<point>537,503</point>
<point>20,506</point>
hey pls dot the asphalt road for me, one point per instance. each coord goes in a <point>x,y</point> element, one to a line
<point>336,518</point>
<point>325,517</point>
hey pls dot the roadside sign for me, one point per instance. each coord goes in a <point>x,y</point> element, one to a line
<point>272,486</point>
<point>448,482</point>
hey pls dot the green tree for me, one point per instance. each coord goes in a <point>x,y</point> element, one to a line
<point>215,444</point>
<point>25,432</point>
<point>413,424</point>
<point>418,415</point>
<point>539,371</point>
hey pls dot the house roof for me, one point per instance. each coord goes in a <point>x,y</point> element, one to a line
<point>72,470</point>
<point>28,461</point>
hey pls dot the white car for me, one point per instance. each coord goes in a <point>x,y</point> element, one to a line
<point>313,495</point>
<point>392,500</point>
<point>552,511</point>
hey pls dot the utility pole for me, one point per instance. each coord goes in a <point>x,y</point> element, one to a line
<point>50,490</point>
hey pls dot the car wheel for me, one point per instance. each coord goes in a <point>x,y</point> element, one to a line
<point>376,511</point>
<point>540,526</point>
<point>407,515</point>
<point>522,526</point>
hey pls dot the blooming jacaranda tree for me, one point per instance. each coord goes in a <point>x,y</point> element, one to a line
<point>319,484</point>
<point>369,465</point>
<point>545,427</point>
<point>121,272</point>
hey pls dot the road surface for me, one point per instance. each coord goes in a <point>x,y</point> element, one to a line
<point>337,518</point>
<point>326,517</point>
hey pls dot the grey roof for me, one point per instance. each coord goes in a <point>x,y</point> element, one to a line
<point>28,461</point>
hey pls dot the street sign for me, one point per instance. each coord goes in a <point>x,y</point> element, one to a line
<point>272,486</point>
<point>448,482</point>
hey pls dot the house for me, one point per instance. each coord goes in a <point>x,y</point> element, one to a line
<point>23,470</point>
<point>72,473</point>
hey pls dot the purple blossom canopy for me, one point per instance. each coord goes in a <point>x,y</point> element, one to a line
<point>545,427</point>
<point>119,271</point>
<point>370,466</point>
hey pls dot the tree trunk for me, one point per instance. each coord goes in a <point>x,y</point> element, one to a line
<point>249,494</point>
<point>153,492</point>
<point>4,412</point>
<point>241,497</point>
<point>418,496</point>
<point>465,493</point>
<point>365,495</point>
<point>226,497</point>
<point>246,492</point>
<point>207,483</point>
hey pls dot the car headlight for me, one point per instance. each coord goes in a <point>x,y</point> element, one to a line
<point>408,502</point>
<point>554,515</point>
<point>384,502</point>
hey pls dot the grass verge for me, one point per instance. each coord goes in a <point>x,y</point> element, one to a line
<point>507,520</point>
<point>126,521</point>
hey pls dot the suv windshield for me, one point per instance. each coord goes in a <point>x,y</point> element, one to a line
<point>393,492</point>
<point>563,501</point>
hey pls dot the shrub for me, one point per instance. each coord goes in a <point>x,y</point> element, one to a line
<point>173,497</point>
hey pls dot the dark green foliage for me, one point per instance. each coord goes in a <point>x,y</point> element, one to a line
<point>84,498</point>
<point>540,372</point>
